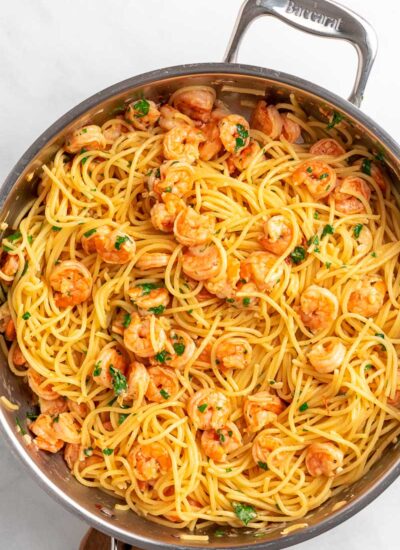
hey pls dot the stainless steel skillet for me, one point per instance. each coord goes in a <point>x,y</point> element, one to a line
<point>320,17</point>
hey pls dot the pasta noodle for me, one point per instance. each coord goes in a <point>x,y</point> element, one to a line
<point>209,312</point>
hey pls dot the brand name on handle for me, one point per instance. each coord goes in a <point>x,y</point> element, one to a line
<point>311,15</point>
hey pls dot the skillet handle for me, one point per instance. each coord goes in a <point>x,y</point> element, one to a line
<point>323,18</point>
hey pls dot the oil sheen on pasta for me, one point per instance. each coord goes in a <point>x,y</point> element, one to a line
<point>206,306</point>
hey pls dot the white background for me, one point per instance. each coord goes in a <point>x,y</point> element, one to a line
<point>54,54</point>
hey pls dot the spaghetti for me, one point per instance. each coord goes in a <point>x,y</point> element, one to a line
<point>208,311</point>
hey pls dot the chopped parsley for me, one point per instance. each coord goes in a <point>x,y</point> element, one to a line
<point>164,394</point>
<point>141,107</point>
<point>328,265</point>
<point>83,150</point>
<point>316,216</point>
<point>230,433</point>
<point>88,451</point>
<point>90,232</point>
<point>14,237</point>
<point>108,452</point>
<point>30,239</point>
<point>6,248</point>
<point>368,367</point>
<point>219,533</point>
<point>323,176</point>
<point>262,465</point>
<point>380,156</point>
<point>148,287</point>
<point>244,512</point>
<point>309,170</point>
<point>26,315</point>
<point>97,369</point>
<point>158,310</point>
<point>336,118</point>
<point>168,189</point>
<point>122,418</point>
<point>56,228</point>
<point>243,135</point>
<point>327,230</point>
<point>118,380</point>
<point>313,240</point>
<point>230,300</point>
<point>31,415</point>
<point>374,254</point>
<point>366,167</point>
<point>120,240</point>
<point>357,230</point>
<point>162,356</point>
<point>202,407</point>
<point>303,407</point>
<point>127,320</point>
<point>56,418</point>
<point>298,255</point>
<point>221,436</point>
<point>18,423</point>
<point>25,268</point>
<point>246,301</point>
<point>179,348</point>
<point>228,470</point>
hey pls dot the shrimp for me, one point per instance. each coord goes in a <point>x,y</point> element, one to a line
<point>182,143</point>
<point>171,118</point>
<point>323,459</point>
<point>80,409</point>
<point>232,354</point>
<point>327,147</point>
<point>317,176</point>
<point>367,297</point>
<point>53,406</point>
<point>234,133</point>
<point>212,144</point>
<point>46,438</point>
<point>18,357</point>
<point>243,300</point>
<point>90,238</point>
<point>183,348</point>
<point>267,119</point>
<point>291,130</point>
<point>224,286</point>
<point>152,260</point>
<point>143,114</point>
<point>278,235</point>
<point>138,380</point>
<point>38,385</point>
<point>10,332</point>
<point>177,178</point>
<point>161,218</point>
<point>72,282</point>
<point>261,409</point>
<point>108,359</point>
<point>153,300</point>
<point>192,229</point>
<point>145,337</point>
<point>66,428</point>
<point>348,195</point>
<point>374,170</point>
<point>87,138</point>
<point>195,102</point>
<point>259,268</point>
<point>263,445</point>
<point>72,453</point>
<point>364,241</point>
<point>163,384</point>
<point>149,461</point>
<point>327,355</point>
<point>5,316</point>
<point>116,247</point>
<point>318,308</point>
<point>201,262</point>
<point>9,267</point>
<point>244,158</point>
<point>209,409</point>
<point>216,444</point>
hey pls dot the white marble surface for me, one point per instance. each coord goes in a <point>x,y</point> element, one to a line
<point>53,54</point>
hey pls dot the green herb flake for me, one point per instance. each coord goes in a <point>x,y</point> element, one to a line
<point>221,436</point>
<point>336,118</point>
<point>239,143</point>
<point>108,452</point>
<point>328,265</point>
<point>303,407</point>
<point>97,369</point>
<point>31,415</point>
<point>157,310</point>
<point>246,302</point>
<point>179,348</point>
<point>118,379</point>
<point>357,230</point>
<point>83,150</point>
<point>88,451</point>
<point>323,176</point>
<point>380,156</point>
<point>230,300</point>
<point>122,418</point>
<point>374,254</point>
<point>56,228</point>
<point>56,418</point>
<point>127,320</point>
<point>168,189</point>
<point>202,407</point>
<point>26,316</point>
<point>162,356</point>
<point>368,367</point>
<point>148,287</point>
<point>141,107</point>
<point>6,248</point>
<point>84,130</point>
<point>366,167</point>
<point>313,240</point>
<point>244,512</point>
<point>298,255</point>
<point>120,240</point>
<point>228,470</point>
<point>262,465</point>
<point>316,216</point>
<point>25,268</point>
<point>309,170</point>
<point>164,394</point>
<point>230,433</point>
<point>14,237</point>
<point>90,233</point>
<point>241,130</point>
<point>219,533</point>
<point>327,230</point>
<point>18,423</point>
<point>30,239</point>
